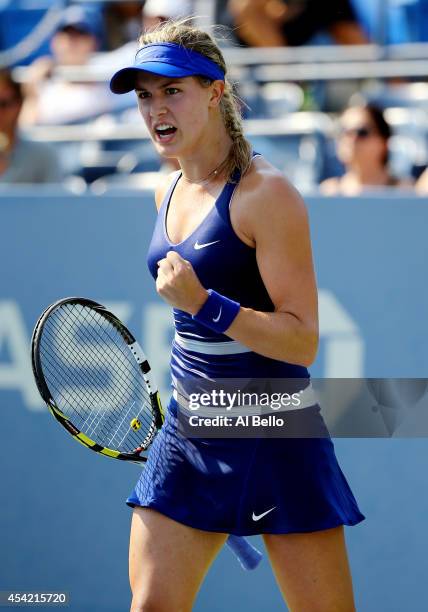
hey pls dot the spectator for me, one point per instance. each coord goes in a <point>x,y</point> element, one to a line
<point>154,13</point>
<point>123,23</point>
<point>21,161</point>
<point>275,23</point>
<point>363,149</point>
<point>51,100</point>
<point>158,11</point>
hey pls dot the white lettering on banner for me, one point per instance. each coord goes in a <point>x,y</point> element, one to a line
<point>343,357</point>
<point>344,346</point>
<point>344,351</point>
<point>15,374</point>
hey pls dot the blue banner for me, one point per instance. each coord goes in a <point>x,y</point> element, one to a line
<point>63,522</point>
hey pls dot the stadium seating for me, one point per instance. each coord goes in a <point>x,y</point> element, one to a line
<point>299,143</point>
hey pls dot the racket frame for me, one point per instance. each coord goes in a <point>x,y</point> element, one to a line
<point>139,356</point>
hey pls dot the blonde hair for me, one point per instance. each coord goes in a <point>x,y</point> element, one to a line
<point>182,33</point>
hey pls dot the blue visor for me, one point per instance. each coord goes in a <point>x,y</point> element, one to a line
<point>165,59</point>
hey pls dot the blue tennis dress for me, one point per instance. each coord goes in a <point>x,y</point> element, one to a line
<point>240,486</point>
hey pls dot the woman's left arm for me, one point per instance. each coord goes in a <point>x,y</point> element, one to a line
<point>278,224</point>
<point>277,221</point>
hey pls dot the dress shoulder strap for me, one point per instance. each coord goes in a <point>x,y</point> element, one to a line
<point>170,190</point>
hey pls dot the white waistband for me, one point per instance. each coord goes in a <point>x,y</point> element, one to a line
<point>211,348</point>
<point>307,397</point>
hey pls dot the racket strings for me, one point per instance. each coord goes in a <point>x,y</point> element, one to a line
<point>93,417</point>
<point>96,375</point>
<point>95,421</point>
<point>56,384</point>
<point>106,348</point>
<point>123,349</point>
<point>50,368</point>
<point>94,379</point>
<point>54,366</point>
<point>78,361</point>
<point>87,399</point>
<point>100,334</point>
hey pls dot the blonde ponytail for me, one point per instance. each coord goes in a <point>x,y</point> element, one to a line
<point>240,153</point>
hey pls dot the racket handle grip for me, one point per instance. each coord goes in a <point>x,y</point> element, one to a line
<point>248,556</point>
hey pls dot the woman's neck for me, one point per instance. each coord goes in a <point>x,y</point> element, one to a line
<point>206,160</point>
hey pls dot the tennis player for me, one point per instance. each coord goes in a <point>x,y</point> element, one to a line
<point>231,254</point>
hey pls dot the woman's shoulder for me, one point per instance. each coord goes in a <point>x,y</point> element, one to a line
<point>264,185</point>
<point>265,198</point>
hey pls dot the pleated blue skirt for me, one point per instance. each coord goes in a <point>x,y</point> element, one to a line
<point>245,486</point>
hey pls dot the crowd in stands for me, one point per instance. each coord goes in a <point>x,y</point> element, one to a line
<point>105,34</point>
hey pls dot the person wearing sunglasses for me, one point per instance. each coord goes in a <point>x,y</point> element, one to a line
<point>22,161</point>
<point>362,147</point>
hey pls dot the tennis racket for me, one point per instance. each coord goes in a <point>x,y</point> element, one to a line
<point>98,384</point>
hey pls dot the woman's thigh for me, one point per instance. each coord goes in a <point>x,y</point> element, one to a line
<point>312,570</point>
<point>167,561</point>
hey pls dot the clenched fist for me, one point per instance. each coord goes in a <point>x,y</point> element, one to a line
<point>178,284</point>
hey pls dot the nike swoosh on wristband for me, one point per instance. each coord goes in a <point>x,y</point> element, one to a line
<point>198,246</point>
<point>217,319</point>
<point>260,516</point>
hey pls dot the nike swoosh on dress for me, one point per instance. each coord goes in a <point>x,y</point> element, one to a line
<point>198,246</point>
<point>260,516</point>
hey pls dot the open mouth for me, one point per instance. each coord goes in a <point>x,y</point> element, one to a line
<point>165,131</point>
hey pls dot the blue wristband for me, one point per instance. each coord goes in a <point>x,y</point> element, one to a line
<point>218,312</point>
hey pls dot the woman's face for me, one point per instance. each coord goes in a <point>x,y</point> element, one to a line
<point>359,140</point>
<point>176,111</point>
